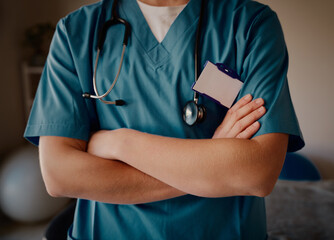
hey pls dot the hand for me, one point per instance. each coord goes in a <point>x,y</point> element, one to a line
<point>241,120</point>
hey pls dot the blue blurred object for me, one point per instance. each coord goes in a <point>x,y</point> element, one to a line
<point>299,168</point>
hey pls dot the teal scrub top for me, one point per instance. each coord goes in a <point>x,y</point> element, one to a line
<point>155,82</point>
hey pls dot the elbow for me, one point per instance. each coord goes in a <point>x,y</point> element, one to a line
<point>263,185</point>
<point>264,182</point>
<point>215,190</point>
<point>258,186</point>
<point>56,165</point>
<point>53,191</point>
<point>262,190</point>
<point>53,187</point>
<point>58,181</point>
<point>54,179</point>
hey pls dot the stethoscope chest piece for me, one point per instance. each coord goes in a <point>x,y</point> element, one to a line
<point>193,113</point>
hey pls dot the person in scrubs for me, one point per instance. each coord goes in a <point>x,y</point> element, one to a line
<point>138,171</point>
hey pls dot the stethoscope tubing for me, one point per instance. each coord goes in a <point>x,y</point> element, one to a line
<point>199,112</point>
<point>197,62</point>
<point>97,95</point>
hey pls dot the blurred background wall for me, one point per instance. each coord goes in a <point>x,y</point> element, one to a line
<point>309,33</point>
<point>308,27</point>
<point>15,17</point>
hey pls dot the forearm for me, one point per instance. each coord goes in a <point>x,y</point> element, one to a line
<point>71,172</point>
<point>229,165</point>
<point>210,167</point>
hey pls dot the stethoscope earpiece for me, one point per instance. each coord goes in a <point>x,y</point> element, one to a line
<point>193,113</point>
<point>120,102</point>
<point>86,95</point>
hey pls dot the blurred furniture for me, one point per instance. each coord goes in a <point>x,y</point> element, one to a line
<point>299,168</point>
<point>23,196</point>
<point>301,210</point>
<point>59,225</point>
<point>301,206</point>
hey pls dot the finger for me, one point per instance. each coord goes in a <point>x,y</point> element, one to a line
<point>242,102</point>
<point>237,115</point>
<point>249,108</point>
<point>233,110</point>
<point>249,131</point>
<point>247,121</point>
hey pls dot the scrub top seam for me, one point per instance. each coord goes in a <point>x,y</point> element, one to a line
<point>182,35</point>
<point>161,62</point>
<point>156,43</point>
<point>172,52</point>
<point>143,49</point>
<point>33,132</point>
<point>255,21</point>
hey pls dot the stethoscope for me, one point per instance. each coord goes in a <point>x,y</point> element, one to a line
<point>192,112</point>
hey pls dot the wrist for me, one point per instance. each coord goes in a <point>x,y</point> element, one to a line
<point>103,144</point>
<point>121,140</point>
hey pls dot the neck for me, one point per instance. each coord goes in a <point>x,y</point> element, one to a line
<point>165,2</point>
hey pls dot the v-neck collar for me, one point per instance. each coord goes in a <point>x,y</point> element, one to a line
<point>130,10</point>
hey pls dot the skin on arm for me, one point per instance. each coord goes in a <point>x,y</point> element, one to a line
<point>69,171</point>
<point>179,162</point>
<point>206,167</point>
<point>241,119</point>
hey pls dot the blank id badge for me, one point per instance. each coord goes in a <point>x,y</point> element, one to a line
<point>218,83</point>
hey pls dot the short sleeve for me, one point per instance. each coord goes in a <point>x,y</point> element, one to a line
<point>58,108</point>
<point>264,73</point>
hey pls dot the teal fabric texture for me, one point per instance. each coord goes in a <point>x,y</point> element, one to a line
<point>155,82</point>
